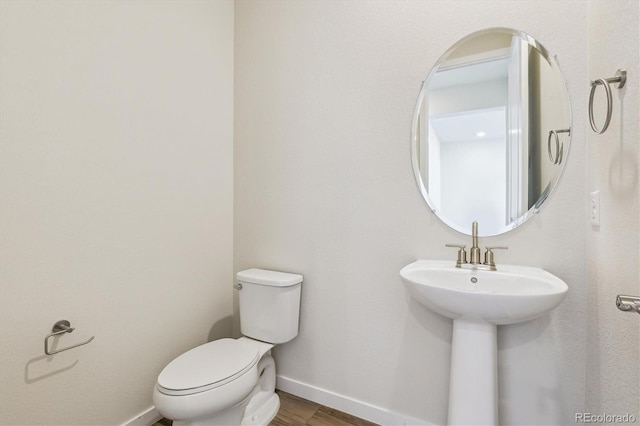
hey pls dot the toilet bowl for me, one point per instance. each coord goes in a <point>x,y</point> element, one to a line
<point>232,381</point>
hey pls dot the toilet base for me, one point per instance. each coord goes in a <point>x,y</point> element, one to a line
<point>261,416</point>
<point>230,416</point>
<point>264,414</point>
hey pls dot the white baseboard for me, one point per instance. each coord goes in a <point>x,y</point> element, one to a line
<point>346,404</point>
<point>343,403</point>
<point>146,418</point>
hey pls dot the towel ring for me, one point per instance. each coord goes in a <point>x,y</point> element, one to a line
<point>621,79</point>
<point>559,146</point>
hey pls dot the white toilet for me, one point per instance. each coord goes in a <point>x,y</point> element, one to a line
<point>232,381</point>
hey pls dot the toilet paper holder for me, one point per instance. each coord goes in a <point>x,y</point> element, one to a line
<point>60,327</point>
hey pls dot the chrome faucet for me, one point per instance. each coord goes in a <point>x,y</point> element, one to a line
<point>474,253</point>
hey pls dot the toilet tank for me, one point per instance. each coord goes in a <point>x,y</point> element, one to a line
<point>269,304</point>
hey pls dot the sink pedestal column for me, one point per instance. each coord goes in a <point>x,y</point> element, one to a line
<point>473,387</point>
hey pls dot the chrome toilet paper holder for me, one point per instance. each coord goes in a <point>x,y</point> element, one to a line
<point>61,327</point>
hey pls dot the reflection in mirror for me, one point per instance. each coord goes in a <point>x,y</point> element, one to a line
<point>484,131</point>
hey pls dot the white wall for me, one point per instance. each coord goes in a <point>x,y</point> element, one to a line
<point>469,97</point>
<point>613,248</point>
<point>324,95</point>
<point>116,186</point>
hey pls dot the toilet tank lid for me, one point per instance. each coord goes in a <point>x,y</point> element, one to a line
<point>266,277</point>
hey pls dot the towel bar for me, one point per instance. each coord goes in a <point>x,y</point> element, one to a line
<point>628,303</point>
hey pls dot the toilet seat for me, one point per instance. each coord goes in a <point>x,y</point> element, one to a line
<point>208,366</point>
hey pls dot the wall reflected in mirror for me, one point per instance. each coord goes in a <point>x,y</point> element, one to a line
<point>482,147</point>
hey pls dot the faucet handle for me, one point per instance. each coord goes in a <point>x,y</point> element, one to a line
<point>462,254</point>
<point>488,256</point>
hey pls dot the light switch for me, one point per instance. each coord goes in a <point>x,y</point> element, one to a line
<point>594,211</point>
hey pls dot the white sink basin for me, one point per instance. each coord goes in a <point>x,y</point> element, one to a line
<point>478,301</point>
<point>509,295</point>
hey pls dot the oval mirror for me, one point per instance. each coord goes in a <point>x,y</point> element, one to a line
<point>491,131</point>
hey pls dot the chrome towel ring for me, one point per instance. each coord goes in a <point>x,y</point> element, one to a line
<point>559,146</point>
<point>60,327</point>
<point>621,79</point>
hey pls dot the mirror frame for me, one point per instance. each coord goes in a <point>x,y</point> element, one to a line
<point>552,61</point>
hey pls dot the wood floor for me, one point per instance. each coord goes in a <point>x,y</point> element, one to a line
<point>295,411</point>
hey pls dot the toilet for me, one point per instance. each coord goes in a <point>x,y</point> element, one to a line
<point>232,381</point>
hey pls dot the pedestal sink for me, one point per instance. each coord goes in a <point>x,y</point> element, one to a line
<point>477,301</point>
